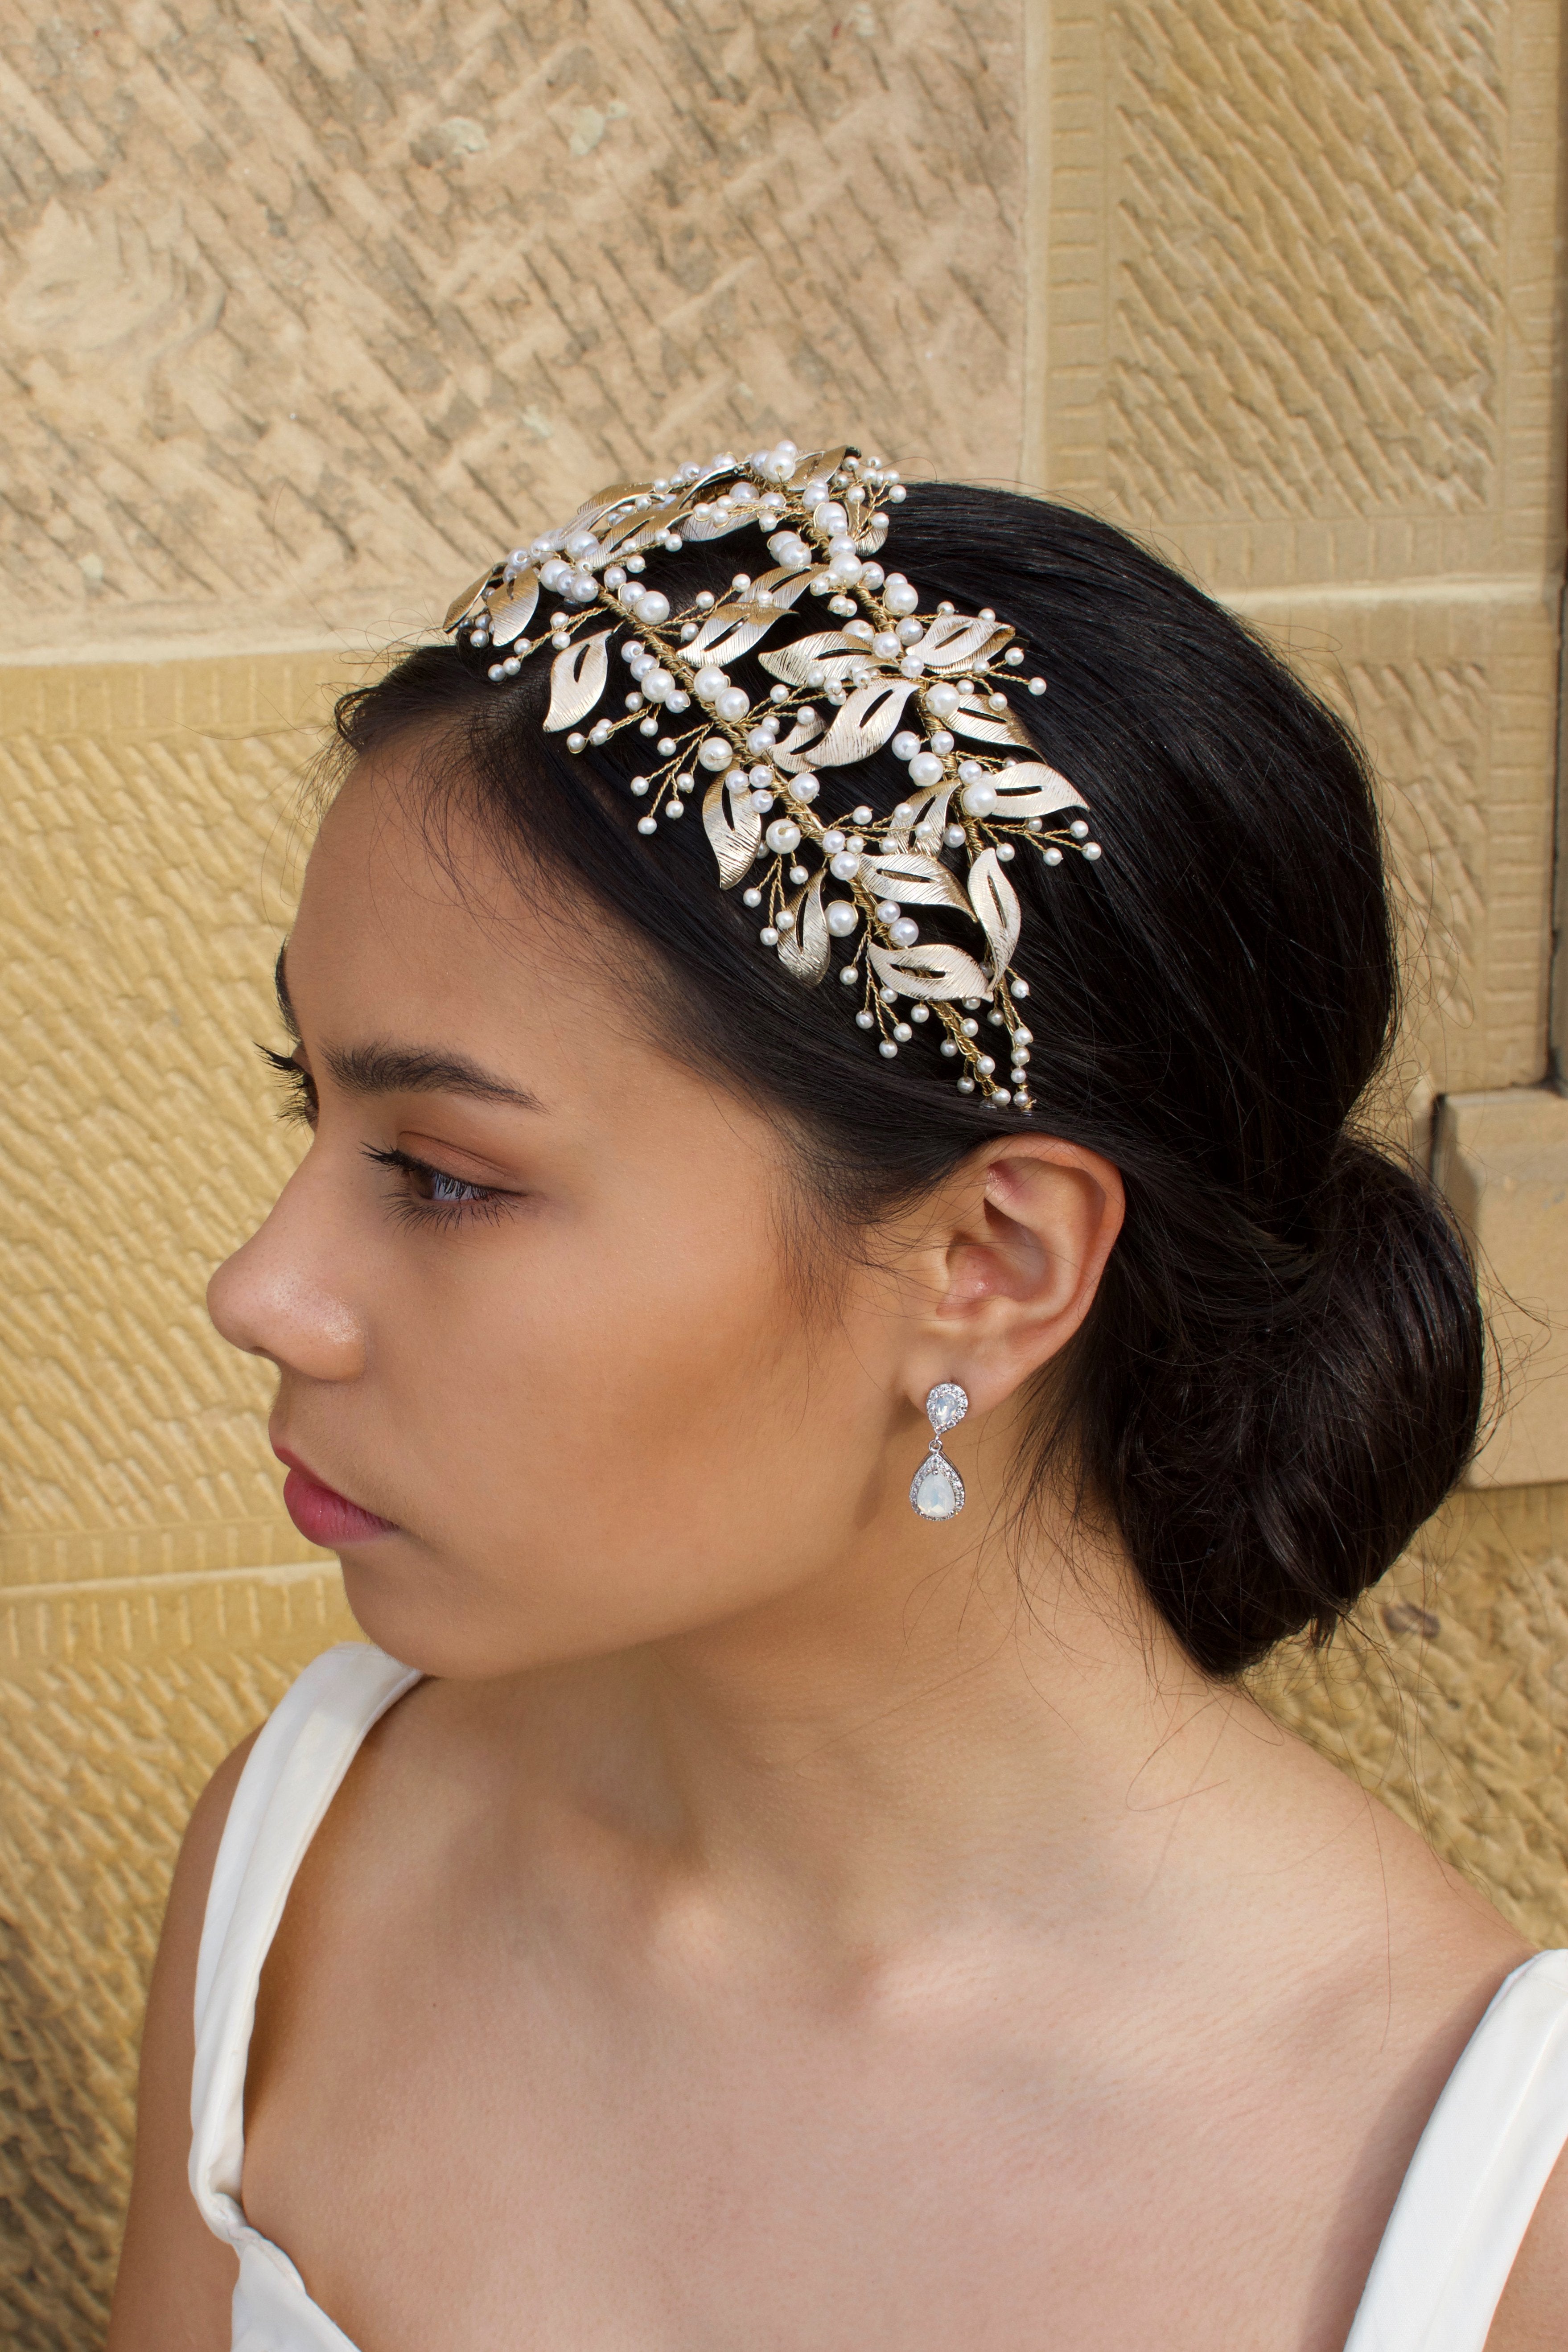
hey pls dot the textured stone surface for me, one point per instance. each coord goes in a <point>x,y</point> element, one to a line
<point>318,306</point>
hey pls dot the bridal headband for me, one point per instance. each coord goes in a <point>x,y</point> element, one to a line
<point>934,688</point>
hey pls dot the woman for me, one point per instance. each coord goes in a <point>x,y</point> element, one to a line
<point>727,1906</point>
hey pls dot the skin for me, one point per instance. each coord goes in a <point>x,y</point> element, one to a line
<point>775,1920</point>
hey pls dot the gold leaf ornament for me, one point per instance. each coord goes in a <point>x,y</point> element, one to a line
<point>868,719</point>
<point>983,725</point>
<point>460,608</point>
<point>787,756</point>
<point>733,827</point>
<point>939,973</point>
<point>577,677</point>
<point>996,908</point>
<point>804,948</point>
<point>913,879</point>
<point>511,608</point>
<point>954,642</point>
<point>797,664</point>
<point>1029,788</point>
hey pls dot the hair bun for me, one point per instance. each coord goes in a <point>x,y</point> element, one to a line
<point>1281,1461</point>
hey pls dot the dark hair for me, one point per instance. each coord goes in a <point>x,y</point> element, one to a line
<point>1281,1376</point>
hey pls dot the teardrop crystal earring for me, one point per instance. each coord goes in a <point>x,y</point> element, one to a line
<point>936,1490</point>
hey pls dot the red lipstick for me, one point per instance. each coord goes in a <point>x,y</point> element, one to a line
<point>323,1516</point>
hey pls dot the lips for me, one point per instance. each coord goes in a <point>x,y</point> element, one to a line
<point>323,1516</point>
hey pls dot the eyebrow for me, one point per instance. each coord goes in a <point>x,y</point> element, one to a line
<point>387,1070</point>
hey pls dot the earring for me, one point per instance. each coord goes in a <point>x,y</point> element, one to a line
<point>936,1491</point>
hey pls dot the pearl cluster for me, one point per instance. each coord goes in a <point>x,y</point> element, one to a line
<point>978,792</point>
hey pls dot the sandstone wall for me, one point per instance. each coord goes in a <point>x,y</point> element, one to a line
<point>306,310</point>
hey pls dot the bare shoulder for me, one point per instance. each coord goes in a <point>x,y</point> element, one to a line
<point>176,2280</point>
<point>1533,2313</point>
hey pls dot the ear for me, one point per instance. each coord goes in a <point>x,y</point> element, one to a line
<point>1012,1252</point>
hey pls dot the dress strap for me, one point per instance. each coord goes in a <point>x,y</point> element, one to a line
<point>289,1779</point>
<point>1486,2154</point>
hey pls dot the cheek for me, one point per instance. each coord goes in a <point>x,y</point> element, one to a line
<point>599,1440</point>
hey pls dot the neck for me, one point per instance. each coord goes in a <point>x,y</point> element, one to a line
<point>891,1738</point>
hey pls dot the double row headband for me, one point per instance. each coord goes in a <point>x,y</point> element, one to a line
<point>933,686</point>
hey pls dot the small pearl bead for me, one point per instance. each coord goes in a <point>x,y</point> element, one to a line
<point>889,995</point>
<point>921,1013</point>
<point>1013,657</point>
<point>862,815</point>
<point>955,837</point>
<point>761,801</point>
<point>1004,852</point>
<point>842,917</point>
<point>768,935</point>
<point>901,597</point>
<point>948,1047</point>
<point>653,609</point>
<point>913,666</point>
<point>1091,849</point>
<point>709,683</point>
<point>1036,686</point>
<point>1000,1095</point>
<point>904,932</point>
<point>1053,856</point>
<point>798,874</point>
<point>865,1020</point>
<point>714,752</point>
<point>942,742</point>
<point>574,743</point>
<point>902,1032</point>
<point>685,782</point>
<point>966,1086</point>
<point>849,974</point>
<point>910,633</point>
<point>646,824</point>
<point>844,864</point>
<point>997,702</point>
<point>832,840</point>
<point>925,770</point>
<point>675,808</point>
<point>943,700</point>
<point>648,727</point>
<point>732,704</point>
<point>785,919</point>
<point>1079,830</point>
<point>752,898</point>
<point>782,836</point>
<point>639,785</point>
<point>887,910</point>
<point>904,745</point>
<point>970,1028</point>
<point>885,645</point>
<point>985,1066</point>
<point>1020,988</point>
<point>887,1048</point>
<point>979,799</point>
<point>667,747</point>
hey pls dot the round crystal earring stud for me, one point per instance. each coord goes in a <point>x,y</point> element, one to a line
<point>936,1491</point>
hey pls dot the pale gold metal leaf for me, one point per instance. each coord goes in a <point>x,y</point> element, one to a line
<point>868,718</point>
<point>820,461</point>
<point>787,754</point>
<point>734,828</point>
<point>461,605</point>
<point>925,809</point>
<point>913,879</point>
<point>954,642</point>
<point>972,719</point>
<point>787,583</point>
<point>710,524</point>
<point>726,635</point>
<point>795,663</point>
<point>939,971</point>
<point>804,950</point>
<point>511,609</point>
<point>577,676</point>
<point>1028,788</point>
<point>996,902</point>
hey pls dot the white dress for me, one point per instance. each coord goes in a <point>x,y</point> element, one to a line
<point>1462,2212</point>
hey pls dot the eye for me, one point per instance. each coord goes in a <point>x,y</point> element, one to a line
<point>299,1105</point>
<point>433,1195</point>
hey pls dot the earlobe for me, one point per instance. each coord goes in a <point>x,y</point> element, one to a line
<point>1032,1222</point>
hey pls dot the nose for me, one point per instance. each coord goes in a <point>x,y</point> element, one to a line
<point>282,1294</point>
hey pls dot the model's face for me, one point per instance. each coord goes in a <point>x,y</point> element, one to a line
<point>527,1293</point>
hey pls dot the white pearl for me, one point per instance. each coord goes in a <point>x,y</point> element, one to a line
<point>925,770</point>
<point>732,704</point>
<point>785,920</point>
<point>1090,848</point>
<point>684,782</point>
<point>1036,686</point>
<point>887,1048</point>
<point>889,995</point>
<point>752,898</point>
<point>862,815</point>
<point>911,632</point>
<point>658,685</point>
<point>679,702</point>
<point>1020,988</point>
<point>782,836</point>
<point>997,702</point>
<point>849,975</point>
<point>844,571</point>
<point>768,935</point>
<point>1000,1095</point>
<point>646,824</point>
<point>979,799</point>
<point>708,683</point>
<point>1079,830</point>
<point>904,932</point>
<point>541,550</point>
<point>970,1028</point>
<point>497,672</point>
<point>899,597</point>
<point>829,518</point>
<point>762,801</point>
<point>902,1032</point>
<point>966,1086</point>
<point>921,1013</point>
<point>844,864</point>
<point>865,1020</point>
<point>885,645</point>
<point>970,772</point>
<point>913,666</point>
<point>799,874</point>
<point>888,911</point>
<point>574,743</point>
<point>942,742</point>
<point>985,1066</point>
<point>653,609</point>
<point>639,785</point>
<point>903,813</point>
<point>713,751</point>
<point>581,545</point>
<point>667,747</point>
<point>675,808</point>
<point>842,917</point>
<point>904,744</point>
<point>948,1047</point>
<point>580,588</point>
<point>943,700</point>
<point>1053,856</point>
<point>553,576</point>
<point>1013,657</point>
<point>1004,852</point>
<point>803,789</point>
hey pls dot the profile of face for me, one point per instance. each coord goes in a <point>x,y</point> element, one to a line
<point>566,1362</point>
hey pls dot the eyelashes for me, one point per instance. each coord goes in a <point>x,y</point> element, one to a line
<point>299,1107</point>
<point>426,1196</point>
